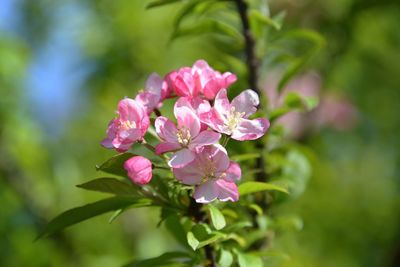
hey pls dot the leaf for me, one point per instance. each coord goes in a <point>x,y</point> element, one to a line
<point>175,227</point>
<point>217,218</point>
<point>162,260</point>
<point>201,235</point>
<point>244,157</point>
<point>252,187</point>
<point>192,241</point>
<point>115,165</point>
<point>259,17</point>
<point>248,260</point>
<point>225,258</point>
<point>317,42</point>
<point>159,3</point>
<point>208,26</point>
<point>79,214</point>
<point>110,185</point>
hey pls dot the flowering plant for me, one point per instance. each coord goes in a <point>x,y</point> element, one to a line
<point>212,165</point>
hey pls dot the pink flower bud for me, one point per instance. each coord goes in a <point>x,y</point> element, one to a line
<point>139,169</point>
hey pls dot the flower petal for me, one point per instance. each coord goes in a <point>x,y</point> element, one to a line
<point>246,102</point>
<point>227,191</point>
<point>148,100</point>
<point>204,138</point>
<point>181,158</point>
<point>205,193</point>
<point>191,174</point>
<point>250,129</point>
<point>166,129</point>
<point>130,110</point>
<point>233,172</point>
<point>166,147</point>
<point>154,84</point>
<point>187,119</point>
<point>221,103</point>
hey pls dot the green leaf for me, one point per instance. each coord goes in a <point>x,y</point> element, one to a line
<point>165,259</point>
<point>248,260</point>
<point>252,187</point>
<point>192,240</point>
<point>317,42</point>
<point>244,157</point>
<point>115,165</point>
<point>208,26</point>
<point>110,185</point>
<point>225,258</point>
<point>175,227</point>
<point>217,218</point>
<point>259,17</point>
<point>158,3</point>
<point>79,214</point>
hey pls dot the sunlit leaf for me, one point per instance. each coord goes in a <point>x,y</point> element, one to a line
<point>158,3</point>
<point>248,260</point>
<point>110,185</point>
<point>252,187</point>
<point>192,240</point>
<point>217,218</point>
<point>79,214</point>
<point>167,258</point>
<point>115,165</point>
<point>225,258</point>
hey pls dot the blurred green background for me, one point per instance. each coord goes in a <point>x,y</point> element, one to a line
<point>65,64</point>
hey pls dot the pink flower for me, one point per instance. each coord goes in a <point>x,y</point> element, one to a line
<point>185,139</point>
<point>200,79</point>
<point>139,169</point>
<point>155,91</point>
<point>200,106</point>
<point>213,175</point>
<point>129,127</point>
<point>232,118</point>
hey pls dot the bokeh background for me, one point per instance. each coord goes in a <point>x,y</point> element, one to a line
<point>65,64</point>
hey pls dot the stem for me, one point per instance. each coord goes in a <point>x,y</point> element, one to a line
<point>199,216</point>
<point>251,59</point>
<point>253,64</point>
<point>161,167</point>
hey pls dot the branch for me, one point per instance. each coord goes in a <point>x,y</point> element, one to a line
<point>251,59</point>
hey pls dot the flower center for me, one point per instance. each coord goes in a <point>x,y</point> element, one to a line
<point>126,125</point>
<point>209,171</point>
<point>183,136</point>
<point>234,118</point>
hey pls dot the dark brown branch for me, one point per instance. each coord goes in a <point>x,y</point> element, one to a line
<point>250,43</point>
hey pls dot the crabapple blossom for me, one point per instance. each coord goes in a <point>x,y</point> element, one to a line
<point>129,127</point>
<point>155,91</point>
<point>139,169</point>
<point>184,139</point>
<point>213,175</point>
<point>232,118</point>
<point>201,79</point>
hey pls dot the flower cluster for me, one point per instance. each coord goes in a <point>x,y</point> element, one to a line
<point>192,146</point>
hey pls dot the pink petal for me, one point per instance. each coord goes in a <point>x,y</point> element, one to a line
<point>229,78</point>
<point>227,191</point>
<point>204,138</point>
<point>250,129</point>
<point>154,84</point>
<point>181,158</point>
<point>111,133</point>
<point>246,102</point>
<point>166,129</point>
<point>187,119</point>
<point>221,103</point>
<point>219,157</point>
<point>139,169</point>
<point>148,100</point>
<point>233,172</point>
<point>206,192</point>
<point>211,88</point>
<point>165,147</point>
<point>130,110</point>
<point>191,174</point>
